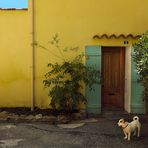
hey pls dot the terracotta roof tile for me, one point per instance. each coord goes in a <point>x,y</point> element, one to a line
<point>116,36</point>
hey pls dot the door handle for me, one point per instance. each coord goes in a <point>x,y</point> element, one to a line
<point>111,94</point>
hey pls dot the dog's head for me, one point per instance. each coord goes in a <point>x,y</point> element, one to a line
<point>121,122</point>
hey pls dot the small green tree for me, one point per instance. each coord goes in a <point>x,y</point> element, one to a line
<point>141,60</point>
<point>65,80</point>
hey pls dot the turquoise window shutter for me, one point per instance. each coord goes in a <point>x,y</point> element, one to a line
<point>94,96</point>
<point>137,103</point>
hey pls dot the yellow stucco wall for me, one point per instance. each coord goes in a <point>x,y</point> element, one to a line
<point>15,58</point>
<point>76,21</point>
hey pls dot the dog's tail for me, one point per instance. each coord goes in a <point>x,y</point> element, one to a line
<point>135,118</point>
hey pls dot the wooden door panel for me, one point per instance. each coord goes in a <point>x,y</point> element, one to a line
<point>115,71</point>
<point>106,71</point>
<point>113,76</point>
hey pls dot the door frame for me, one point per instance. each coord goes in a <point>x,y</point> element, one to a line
<point>124,69</point>
<point>132,100</point>
<point>128,77</point>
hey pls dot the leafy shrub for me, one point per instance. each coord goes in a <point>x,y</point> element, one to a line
<point>65,80</point>
<point>141,59</point>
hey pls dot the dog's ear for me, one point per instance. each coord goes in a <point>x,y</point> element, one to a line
<point>121,120</point>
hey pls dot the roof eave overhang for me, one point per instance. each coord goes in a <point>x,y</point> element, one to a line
<point>116,36</point>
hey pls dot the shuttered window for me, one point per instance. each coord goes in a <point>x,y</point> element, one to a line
<point>94,96</point>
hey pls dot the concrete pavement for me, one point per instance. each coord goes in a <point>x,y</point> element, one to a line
<point>101,134</point>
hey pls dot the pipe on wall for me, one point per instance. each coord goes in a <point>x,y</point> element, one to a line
<point>33,62</point>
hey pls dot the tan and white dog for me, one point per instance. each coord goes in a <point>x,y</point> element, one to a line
<point>129,128</point>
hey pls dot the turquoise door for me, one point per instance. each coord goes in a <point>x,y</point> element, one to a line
<point>94,96</point>
<point>137,103</point>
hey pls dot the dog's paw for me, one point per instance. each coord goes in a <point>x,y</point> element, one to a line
<point>125,138</point>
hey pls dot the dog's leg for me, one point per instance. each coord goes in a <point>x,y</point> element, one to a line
<point>125,135</point>
<point>129,136</point>
<point>134,133</point>
<point>138,135</point>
